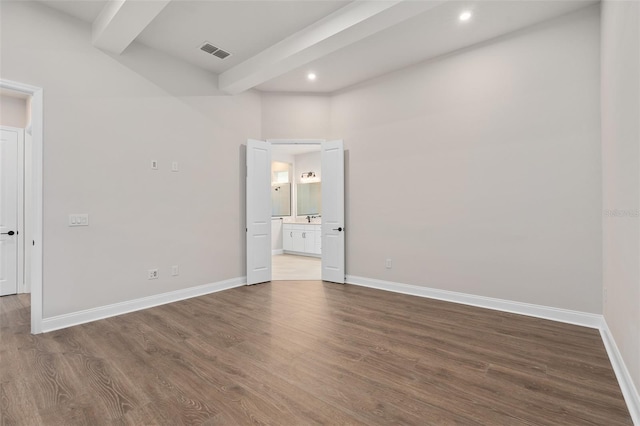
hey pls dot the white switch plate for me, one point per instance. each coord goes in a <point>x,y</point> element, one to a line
<point>388,263</point>
<point>175,271</point>
<point>174,166</point>
<point>154,164</point>
<point>79,219</point>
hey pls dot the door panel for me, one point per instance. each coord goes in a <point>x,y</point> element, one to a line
<point>333,211</point>
<point>287,239</point>
<point>258,211</point>
<point>8,212</point>
<point>298,242</point>
<point>309,241</point>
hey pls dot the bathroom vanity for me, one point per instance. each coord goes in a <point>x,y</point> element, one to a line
<point>302,238</point>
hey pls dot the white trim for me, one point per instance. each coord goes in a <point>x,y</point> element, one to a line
<point>37,133</point>
<point>21,227</point>
<point>295,141</point>
<point>584,319</point>
<point>629,391</point>
<point>94,314</point>
<point>275,252</point>
<point>302,253</point>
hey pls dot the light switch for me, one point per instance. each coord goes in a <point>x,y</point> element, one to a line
<point>174,166</point>
<point>79,219</point>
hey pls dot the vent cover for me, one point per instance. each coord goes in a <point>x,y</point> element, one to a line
<point>213,50</point>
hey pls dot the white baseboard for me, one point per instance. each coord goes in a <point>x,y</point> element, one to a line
<point>555,314</point>
<point>88,315</point>
<point>629,391</point>
<point>301,253</point>
<point>276,252</point>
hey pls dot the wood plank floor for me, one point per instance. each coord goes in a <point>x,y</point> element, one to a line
<point>300,353</point>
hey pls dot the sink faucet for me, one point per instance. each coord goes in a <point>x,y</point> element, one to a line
<point>308,219</point>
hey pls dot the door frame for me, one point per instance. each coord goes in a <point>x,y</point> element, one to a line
<point>20,183</point>
<point>37,134</point>
<point>318,142</point>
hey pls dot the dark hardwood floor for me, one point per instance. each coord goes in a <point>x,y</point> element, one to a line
<point>299,353</point>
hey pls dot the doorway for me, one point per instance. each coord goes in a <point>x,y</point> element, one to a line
<point>12,191</point>
<point>31,219</point>
<point>296,203</point>
<point>327,240</point>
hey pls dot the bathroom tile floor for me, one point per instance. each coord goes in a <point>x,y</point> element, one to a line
<point>292,267</point>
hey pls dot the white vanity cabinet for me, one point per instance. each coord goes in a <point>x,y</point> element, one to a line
<point>302,238</point>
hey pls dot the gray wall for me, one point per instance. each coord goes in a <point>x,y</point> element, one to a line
<point>480,172</point>
<point>105,119</point>
<point>295,116</point>
<point>621,163</point>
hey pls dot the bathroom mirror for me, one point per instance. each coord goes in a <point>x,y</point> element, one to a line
<point>309,198</point>
<point>280,199</point>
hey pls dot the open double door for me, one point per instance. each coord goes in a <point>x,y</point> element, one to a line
<point>259,211</point>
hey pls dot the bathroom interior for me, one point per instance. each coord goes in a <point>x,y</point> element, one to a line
<point>296,200</point>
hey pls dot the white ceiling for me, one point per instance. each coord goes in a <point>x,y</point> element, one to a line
<point>275,43</point>
<point>86,10</point>
<point>243,28</point>
<point>423,37</point>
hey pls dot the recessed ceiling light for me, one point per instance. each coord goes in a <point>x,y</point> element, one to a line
<point>465,16</point>
<point>311,76</point>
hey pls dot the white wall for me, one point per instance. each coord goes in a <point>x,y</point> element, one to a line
<point>295,116</point>
<point>480,172</point>
<point>13,111</point>
<point>106,117</point>
<point>276,234</point>
<point>309,162</point>
<point>621,165</point>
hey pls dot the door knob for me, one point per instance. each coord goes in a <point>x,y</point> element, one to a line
<point>9,233</point>
<point>338,229</point>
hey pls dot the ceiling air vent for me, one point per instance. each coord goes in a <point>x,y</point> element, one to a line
<point>213,50</point>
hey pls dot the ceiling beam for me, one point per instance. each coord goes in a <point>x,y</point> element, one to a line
<point>121,21</point>
<point>354,22</point>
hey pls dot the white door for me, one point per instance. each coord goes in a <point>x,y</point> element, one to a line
<point>333,211</point>
<point>258,211</point>
<point>8,212</point>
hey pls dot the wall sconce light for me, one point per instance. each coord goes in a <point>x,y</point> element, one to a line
<point>308,175</point>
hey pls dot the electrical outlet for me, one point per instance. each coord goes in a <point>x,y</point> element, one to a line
<point>388,264</point>
<point>154,164</point>
<point>175,271</point>
<point>152,274</point>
